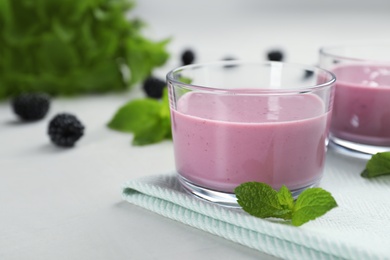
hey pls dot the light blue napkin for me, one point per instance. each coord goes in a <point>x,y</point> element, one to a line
<point>359,228</point>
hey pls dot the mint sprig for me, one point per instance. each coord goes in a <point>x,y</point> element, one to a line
<point>73,47</point>
<point>378,165</point>
<point>148,119</point>
<point>261,200</point>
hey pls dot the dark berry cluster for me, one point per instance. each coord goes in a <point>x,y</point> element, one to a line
<point>65,129</point>
<point>154,87</point>
<point>31,106</point>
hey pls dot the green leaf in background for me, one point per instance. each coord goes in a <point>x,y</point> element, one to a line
<point>378,165</point>
<point>148,119</point>
<point>69,47</point>
<point>143,55</point>
<point>136,115</point>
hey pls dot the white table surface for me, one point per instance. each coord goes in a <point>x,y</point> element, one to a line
<point>66,203</point>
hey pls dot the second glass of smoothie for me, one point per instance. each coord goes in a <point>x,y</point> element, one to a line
<point>361,110</point>
<point>235,122</point>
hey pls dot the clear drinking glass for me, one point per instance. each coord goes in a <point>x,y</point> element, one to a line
<point>235,122</point>
<point>361,111</point>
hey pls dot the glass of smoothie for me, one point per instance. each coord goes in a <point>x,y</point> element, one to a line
<point>237,121</point>
<point>361,110</point>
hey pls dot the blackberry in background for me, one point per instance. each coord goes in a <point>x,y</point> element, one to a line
<point>31,106</point>
<point>65,129</point>
<point>308,74</point>
<point>275,55</point>
<point>154,87</point>
<point>229,58</point>
<point>187,57</point>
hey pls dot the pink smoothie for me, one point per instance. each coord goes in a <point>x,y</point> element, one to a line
<point>221,141</point>
<point>361,111</point>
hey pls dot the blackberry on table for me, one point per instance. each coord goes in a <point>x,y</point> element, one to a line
<point>275,55</point>
<point>154,87</point>
<point>188,57</point>
<point>65,129</point>
<point>31,106</point>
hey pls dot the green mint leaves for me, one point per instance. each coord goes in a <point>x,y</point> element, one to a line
<point>379,164</point>
<point>148,119</point>
<point>73,47</point>
<point>261,200</point>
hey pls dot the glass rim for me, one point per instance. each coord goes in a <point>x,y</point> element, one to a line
<point>329,51</point>
<point>232,63</point>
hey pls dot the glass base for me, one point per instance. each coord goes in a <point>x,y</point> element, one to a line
<point>364,151</point>
<point>224,198</point>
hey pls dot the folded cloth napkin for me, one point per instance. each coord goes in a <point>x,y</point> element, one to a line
<point>359,228</point>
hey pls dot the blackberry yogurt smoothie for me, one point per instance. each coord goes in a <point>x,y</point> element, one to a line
<point>361,111</point>
<point>221,141</point>
<point>360,123</point>
<point>237,121</point>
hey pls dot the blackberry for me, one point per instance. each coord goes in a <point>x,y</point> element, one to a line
<point>187,57</point>
<point>154,87</point>
<point>65,129</point>
<point>31,106</point>
<point>308,74</point>
<point>275,55</point>
<point>229,58</point>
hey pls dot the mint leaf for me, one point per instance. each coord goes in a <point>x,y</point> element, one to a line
<point>261,200</point>
<point>311,204</point>
<point>136,116</point>
<point>148,119</point>
<point>154,133</point>
<point>379,164</point>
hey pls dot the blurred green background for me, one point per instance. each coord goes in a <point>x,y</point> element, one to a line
<point>69,47</point>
